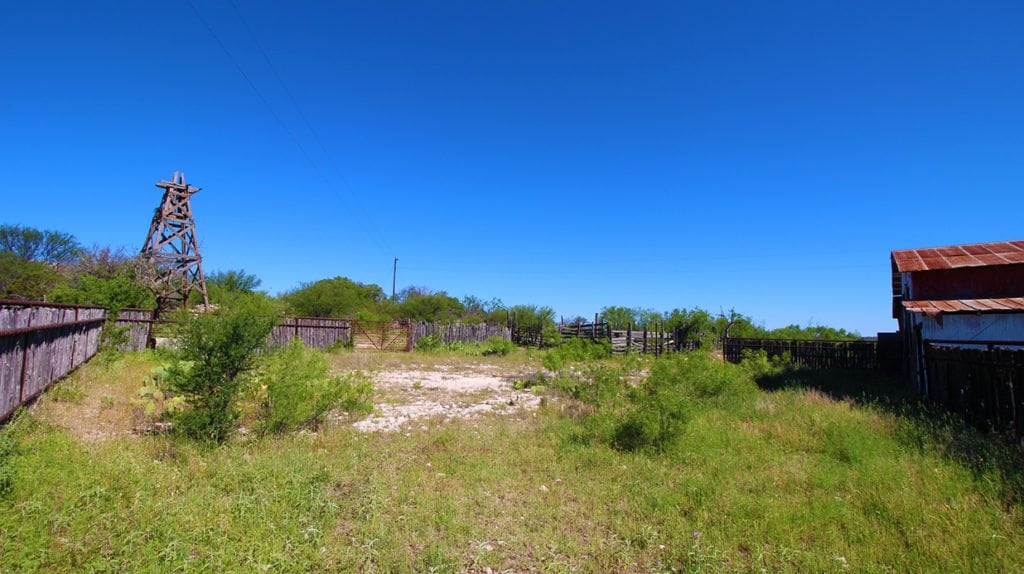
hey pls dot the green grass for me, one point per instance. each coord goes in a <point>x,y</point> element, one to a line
<point>791,480</point>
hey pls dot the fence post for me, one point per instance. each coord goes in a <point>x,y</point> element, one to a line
<point>24,360</point>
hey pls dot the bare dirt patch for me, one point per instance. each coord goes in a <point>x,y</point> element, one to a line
<point>414,395</point>
<point>95,403</point>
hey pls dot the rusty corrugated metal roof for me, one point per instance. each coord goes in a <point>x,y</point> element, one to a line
<point>966,305</point>
<point>955,256</point>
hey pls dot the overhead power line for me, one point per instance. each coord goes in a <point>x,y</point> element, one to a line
<point>361,216</point>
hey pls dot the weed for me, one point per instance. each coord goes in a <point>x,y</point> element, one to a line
<point>65,392</point>
<point>295,389</point>
<point>153,400</point>
<point>7,452</point>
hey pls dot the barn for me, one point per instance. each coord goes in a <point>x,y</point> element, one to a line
<point>962,296</point>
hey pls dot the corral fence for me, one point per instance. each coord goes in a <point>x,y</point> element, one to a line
<point>322,332</point>
<point>40,343</point>
<point>812,354</point>
<point>462,332</point>
<point>653,339</point>
<point>314,332</point>
<point>382,335</point>
<point>984,385</point>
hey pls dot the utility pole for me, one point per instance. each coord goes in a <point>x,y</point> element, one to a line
<point>394,278</point>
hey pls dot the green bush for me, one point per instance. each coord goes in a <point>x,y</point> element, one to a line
<point>600,386</point>
<point>296,389</point>
<point>575,351</point>
<point>758,365</point>
<point>430,344</point>
<point>493,346</point>
<point>498,346</point>
<point>216,349</point>
<point>677,386</point>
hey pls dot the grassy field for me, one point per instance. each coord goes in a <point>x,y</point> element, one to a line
<point>806,474</point>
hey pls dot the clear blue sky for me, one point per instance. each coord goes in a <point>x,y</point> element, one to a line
<point>765,156</point>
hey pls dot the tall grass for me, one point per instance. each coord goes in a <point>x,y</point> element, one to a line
<point>788,479</point>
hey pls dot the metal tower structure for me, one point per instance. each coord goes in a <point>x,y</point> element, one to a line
<point>172,249</point>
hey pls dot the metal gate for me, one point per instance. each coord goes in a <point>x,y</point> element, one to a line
<point>382,335</point>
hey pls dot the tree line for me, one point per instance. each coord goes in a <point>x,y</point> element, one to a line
<point>53,266</point>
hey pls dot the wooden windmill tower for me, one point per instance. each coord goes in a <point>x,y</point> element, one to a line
<point>172,249</point>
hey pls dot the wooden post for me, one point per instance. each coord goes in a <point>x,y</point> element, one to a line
<point>74,340</point>
<point>629,337</point>
<point>24,359</point>
<point>644,348</point>
<point>593,329</point>
<point>657,350</point>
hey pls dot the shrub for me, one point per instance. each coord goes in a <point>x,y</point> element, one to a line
<point>498,346</point>
<point>217,349</point>
<point>430,343</point>
<point>758,365</point>
<point>599,386</point>
<point>677,386</point>
<point>296,389</point>
<point>574,351</point>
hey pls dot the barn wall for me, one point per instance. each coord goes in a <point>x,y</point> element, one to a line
<point>968,283</point>
<point>972,326</point>
<point>918,328</point>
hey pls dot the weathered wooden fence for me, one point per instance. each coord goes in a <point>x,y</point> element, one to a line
<point>464,332</point>
<point>395,336</point>
<point>40,343</point>
<point>654,339</point>
<point>528,336</point>
<point>138,324</point>
<point>320,332</point>
<point>593,331</point>
<point>985,386</point>
<point>812,354</point>
<point>314,332</point>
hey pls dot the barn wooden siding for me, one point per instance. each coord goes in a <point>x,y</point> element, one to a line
<point>985,386</point>
<point>39,344</point>
<point>813,354</point>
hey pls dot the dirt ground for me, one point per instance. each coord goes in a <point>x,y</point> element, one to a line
<point>410,392</point>
<point>417,396</point>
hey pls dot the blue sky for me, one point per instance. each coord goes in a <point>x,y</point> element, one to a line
<point>764,156</point>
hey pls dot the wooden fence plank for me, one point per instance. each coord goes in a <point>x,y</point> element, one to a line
<point>39,344</point>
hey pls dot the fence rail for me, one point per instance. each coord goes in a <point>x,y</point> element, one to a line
<point>985,386</point>
<point>640,339</point>
<point>314,332</point>
<point>40,343</point>
<point>813,354</point>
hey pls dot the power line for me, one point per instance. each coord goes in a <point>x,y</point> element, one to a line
<point>302,114</point>
<point>376,234</point>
